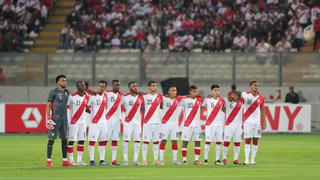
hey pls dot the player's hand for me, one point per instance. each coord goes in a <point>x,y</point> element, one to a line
<point>50,123</point>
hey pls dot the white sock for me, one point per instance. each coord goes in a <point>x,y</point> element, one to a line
<point>196,156</point>
<point>156,151</point>
<point>247,151</point>
<point>236,152</point>
<point>184,158</point>
<point>206,151</point>
<point>225,152</point>
<point>161,152</point>
<point>174,155</point>
<point>71,154</point>
<point>136,151</point>
<point>80,154</point>
<point>91,153</point>
<point>125,150</point>
<point>144,151</point>
<point>102,152</point>
<point>114,152</point>
<point>254,152</point>
<point>218,151</point>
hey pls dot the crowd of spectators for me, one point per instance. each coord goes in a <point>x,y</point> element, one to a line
<point>182,25</point>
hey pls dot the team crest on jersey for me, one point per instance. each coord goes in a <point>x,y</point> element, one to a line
<point>78,103</point>
<point>231,106</point>
<point>98,102</point>
<point>112,99</point>
<point>212,105</point>
<point>168,105</point>
<point>149,102</point>
<point>130,103</point>
<point>190,105</point>
<point>249,101</point>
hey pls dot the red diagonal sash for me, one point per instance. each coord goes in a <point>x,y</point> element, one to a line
<point>193,112</point>
<point>170,111</point>
<point>252,108</point>
<point>233,113</point>
<point>114,108</point>
<point>215,111</point>
<point>152,109</point>
<point>80,110</point>
<point>134,109</point>
<point>102,107</point>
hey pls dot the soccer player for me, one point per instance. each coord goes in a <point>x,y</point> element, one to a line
<point>132,103</point>
<point>191,124</point>
<point>77,130</point>
<point>114,118</point>
<point>98,125</point>
<point>214,122</point>
<point>170,123</point>
<point>151,122</point>
<point>253,120</point>
<point>233,126</point>
<point>57,120</point>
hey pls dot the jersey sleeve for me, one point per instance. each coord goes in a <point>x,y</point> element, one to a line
<point>51,96</point>
<point>70,100</point>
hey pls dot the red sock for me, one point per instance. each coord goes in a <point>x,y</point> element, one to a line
<point>162,146</point>
<point>237,144</point>
<point>80,148</point>
<point>184,152</point>
<point>91,143</point>
<point>248,141</point>
<point>226,144</point>
<point>197,151</point>
<point>255,142</point>
<point>70,149</point>
<point>174,147</point>
<point>114,143</point>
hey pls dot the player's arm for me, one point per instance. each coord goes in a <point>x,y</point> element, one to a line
<point>161,102</point>
<point>49,122</point>
<point>263,116</point>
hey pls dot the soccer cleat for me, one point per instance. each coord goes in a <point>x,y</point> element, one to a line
<point>224,161</point>
<point>49,163</point>
<point>137,163</point>
<point>218,162</point>
<point>206,162</point>
<point>66,163</point>
<point>252,162</point>
<point>185,163</point>
<point>82,163</point>
<point>125,163</point>
<point>246,163</point>
<point>196,162</point>
<point>92,163</point>
<point>236,162</point>
<point>144,163</point>
<point>73,163</point>
<point>156,163</point>
<point>102,163</point>
<point>176,162</point>
<point>115,163</point>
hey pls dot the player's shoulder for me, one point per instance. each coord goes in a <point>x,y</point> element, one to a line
<point>73,94</point>
<point>126,94</point>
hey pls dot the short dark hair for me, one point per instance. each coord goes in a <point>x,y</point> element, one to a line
<point>132,82</point>
<point>115,80</point>
<point>86,84</point>
<point>78,82</point>
<point>103,82</point>
<point>193,87</point>
<point>214,86</point>
<point>233,87</point>
<point>171,86</point>
<point>253,81</point>
<point>60,76</point>
<point>150,83</point>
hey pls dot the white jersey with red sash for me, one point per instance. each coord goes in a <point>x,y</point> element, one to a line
<point>191,109</point>
<point>233,112</point>
<point>252,105</point>
<point>98,108</point>
<point>77,105</point>
<point>132,108</point>
<point>215,113</point>
<point>152,113</point>
<point>114,106</point>
<point>171,110</point>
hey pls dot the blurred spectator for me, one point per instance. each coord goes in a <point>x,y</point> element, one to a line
<point>292,97</point>
<point>316,27</point>
<point>262,50</point>
<point>283,45</point>
<point>233,89</point>
<point>3,78</point>
<point>239,42</point>
<point>208,43</point>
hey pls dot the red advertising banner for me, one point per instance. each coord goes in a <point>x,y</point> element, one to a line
<point>25,118</point>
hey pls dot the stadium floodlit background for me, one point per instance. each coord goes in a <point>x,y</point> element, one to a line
<point>205,41</point>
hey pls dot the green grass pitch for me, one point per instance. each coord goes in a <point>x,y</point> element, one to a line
<point>280,156</point>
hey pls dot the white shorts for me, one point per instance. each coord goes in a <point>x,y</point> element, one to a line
<point>77,132</point>
<point>171,130</point>
<point>214,133</point>
<point>232,133</point>
<point>113,130</point>
<point>192,132</point>
<point>151,132</point>
<point>131,130</point>
<point>251,130</point>
<point>98,132</point>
